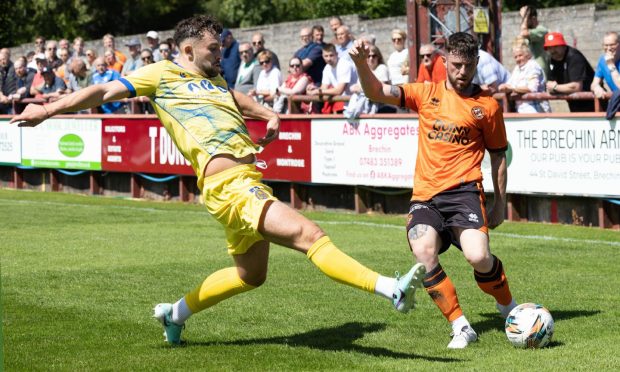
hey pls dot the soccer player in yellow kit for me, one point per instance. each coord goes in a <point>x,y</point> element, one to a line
<point>205,120</point>
<point>458,121</point>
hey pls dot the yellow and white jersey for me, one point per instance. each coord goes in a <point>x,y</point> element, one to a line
<point>199,113</point>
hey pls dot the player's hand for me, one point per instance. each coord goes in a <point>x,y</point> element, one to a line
<point>273,128</point>
<point>358,51</point>
<point>32,116</point>
<point>496,216</point>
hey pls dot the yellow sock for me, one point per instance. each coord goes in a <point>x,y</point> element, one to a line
<point>217,287</point>
<point>337,265</point>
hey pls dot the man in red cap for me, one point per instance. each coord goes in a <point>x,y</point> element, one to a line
<point>569,71</point>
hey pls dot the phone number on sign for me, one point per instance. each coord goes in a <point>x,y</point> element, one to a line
<point>381,162</point>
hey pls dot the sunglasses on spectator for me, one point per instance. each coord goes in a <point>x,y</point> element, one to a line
<point>372,56</point>
<point>429,55</point>
<point>265,62</point>
<point>294,65</point>
<point>51,48</point>
<point>395,39</point>
<point>257,43</point>
<point>147,58</point>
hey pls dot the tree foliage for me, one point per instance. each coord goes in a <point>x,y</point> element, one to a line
<point>22,20</point>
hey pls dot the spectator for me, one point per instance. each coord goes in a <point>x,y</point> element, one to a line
<point>258,44</point>
<point>535,34</point>
<point>91,56</point>
<point>249,69</point>
<point>379,69</point>
<point>230,57</point>
<point>78,50</point>
<point>63,44</point>
<point>432,66</point>
<point>527,77</point>
<point>39,44</point>
<point>607,66</point>
<point>103,75</point>
<point>30,60</point>
<point>268,80</point>
<point>569,71</point>
<point>311,55</point>
<point>165,51</point>
<point>144,103</point>
<point>61,71</point>
<point>24,79</point>
<point>295,83</point>
<point>398,57</point>
<point>133,61</point>
<point>173,47</point>
<point>152,39</point>
<point>108,43</point>
<point>37,80</point>
<point>334,23</point>
<point>110,60</point>
<point>146,56</point>
<point>338,77</point>
<point>50,54</point>
<point>80,76</point>
<point>368,38</point>
<point>489,72</point>
<point>7,53</point>
<point>318,33</point>
<point>345,41</point>
<point>8,84</point>
<point>52,87</point>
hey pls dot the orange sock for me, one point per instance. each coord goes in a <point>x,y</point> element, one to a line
<point>443,293</point>
<point>495,283</point>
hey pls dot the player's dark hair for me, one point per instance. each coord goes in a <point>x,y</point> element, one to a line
<point>195,28</point>
<point>463,45</point>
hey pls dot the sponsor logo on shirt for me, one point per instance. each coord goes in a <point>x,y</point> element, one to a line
<point>449,132</point>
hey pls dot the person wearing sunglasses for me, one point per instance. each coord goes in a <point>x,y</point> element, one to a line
<point>165,51</point>
<point>258,45</point>
<point>357,106</point>
<point>432,65</point>
<point>398,57</point>
<point>295,83</point>
<point>268,80</point>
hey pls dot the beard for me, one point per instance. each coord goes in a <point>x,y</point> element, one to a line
<point>460,86</point>
<point>211,70</point>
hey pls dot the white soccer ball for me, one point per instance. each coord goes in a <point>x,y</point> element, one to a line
<point>529,326</point>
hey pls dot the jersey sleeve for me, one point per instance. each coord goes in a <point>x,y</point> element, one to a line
<point>144,81</point>
<point>413,95</point>
<point>495,130</point>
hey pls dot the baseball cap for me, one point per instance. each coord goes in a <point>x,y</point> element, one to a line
<point>152,34</point>
<point>39,56</point>
<point>133,42</point>
<point>224,34</point>
<point>554,39</point>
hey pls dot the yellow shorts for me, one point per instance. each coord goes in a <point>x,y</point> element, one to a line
<point>236,198</point>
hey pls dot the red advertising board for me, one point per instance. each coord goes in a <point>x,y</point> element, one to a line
<point>288,158</point>
<point>143,145</point>
<point>140,145</point>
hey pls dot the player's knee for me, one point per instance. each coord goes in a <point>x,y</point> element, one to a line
<point>423,252</point>
<point>255,280</point>
<point>312,233</point>
<point>478,258</point>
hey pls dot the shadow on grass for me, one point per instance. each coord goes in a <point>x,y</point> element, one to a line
<point>340,338</point>
<point>495,321</point>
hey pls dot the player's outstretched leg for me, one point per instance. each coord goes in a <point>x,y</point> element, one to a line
<point>250,272</point>
<point>285,226</point>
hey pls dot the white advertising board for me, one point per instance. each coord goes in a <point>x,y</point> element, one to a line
<point>562,156</point>
<point>10,143</point>
<point>372,152</point>
<point>63,143</point>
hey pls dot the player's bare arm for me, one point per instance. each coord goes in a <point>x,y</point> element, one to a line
<point>500,180</point>
<point>373,88</point>
<point>252,109</point>
<point>92,96</point>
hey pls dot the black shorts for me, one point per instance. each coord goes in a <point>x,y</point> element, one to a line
<point>459,207</point>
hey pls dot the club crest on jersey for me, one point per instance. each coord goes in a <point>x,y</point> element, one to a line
<point>435,101</point>
<point>478,112</point>
<point>259,193</point>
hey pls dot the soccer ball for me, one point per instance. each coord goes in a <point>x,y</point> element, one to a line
<point>529,326</point>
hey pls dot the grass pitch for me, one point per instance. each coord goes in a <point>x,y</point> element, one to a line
<point>80,275</point>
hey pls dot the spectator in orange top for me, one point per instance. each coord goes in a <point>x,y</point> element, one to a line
<point>432,66</point>
<point>108,43</point>
<point>110,60</point>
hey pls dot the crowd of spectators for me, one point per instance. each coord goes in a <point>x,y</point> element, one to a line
<point>320,75</point>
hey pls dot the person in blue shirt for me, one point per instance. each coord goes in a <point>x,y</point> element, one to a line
<point>230,57</point>
<point>103,75</point>
<point>607,66</point>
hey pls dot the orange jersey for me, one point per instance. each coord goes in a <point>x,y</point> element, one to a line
<point>454,132</point>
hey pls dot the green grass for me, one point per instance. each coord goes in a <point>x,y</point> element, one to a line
<point>80,276</point>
